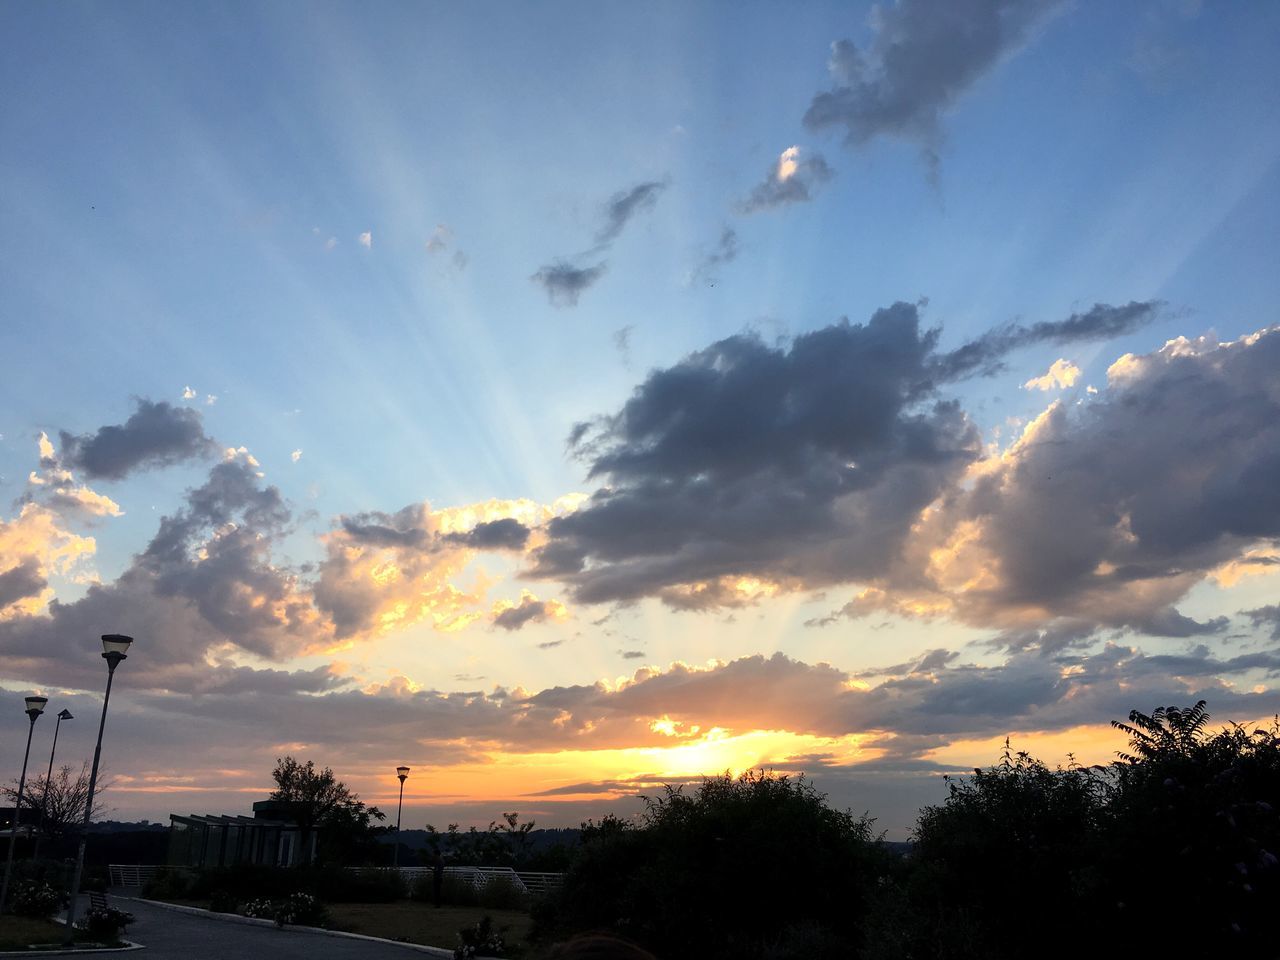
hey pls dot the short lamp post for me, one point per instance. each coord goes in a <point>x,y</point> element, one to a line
<point>115,648</point>
<point>48,777</point>
<point>403,774</point>
<point>35,707</point>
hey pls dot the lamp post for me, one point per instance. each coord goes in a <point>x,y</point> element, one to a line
<point>114,649</point>
<point>35,707</point>
<point>403,774</point>
<point>44,800</point>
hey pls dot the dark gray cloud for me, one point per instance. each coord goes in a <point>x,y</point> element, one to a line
<point>21,581</point>
<point>564,283</point>
<point>631,654</point>
<point>791,179</point>
<point>984,356</point>
<point>923,58</point>
<point>378,529</point>
<point>624,205</point>
<point>800,463</point>
<point>505,534</point>
<point>155,435</point>
<point>528,610</point>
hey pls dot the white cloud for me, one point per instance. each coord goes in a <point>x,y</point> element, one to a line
<point>366,239</point>
<point>296,456</point>
<point>188,393</point>
<point>211,399</point>
<point>1062,374</point>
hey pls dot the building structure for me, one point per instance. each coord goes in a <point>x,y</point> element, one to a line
<point>271,837</point>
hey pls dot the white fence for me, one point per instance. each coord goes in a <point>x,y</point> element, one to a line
<point>529,881</point>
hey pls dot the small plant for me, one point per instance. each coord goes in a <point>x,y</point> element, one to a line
<point>480,940</point>
<point>35,898</point>
<point>106,922</point>
<point>301,909</point>
<point>262,909</point>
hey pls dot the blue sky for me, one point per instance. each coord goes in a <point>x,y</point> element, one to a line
<point>323,221</point>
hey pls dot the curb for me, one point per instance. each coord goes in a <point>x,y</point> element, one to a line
<point>129,945</point>
<point>257,922</point>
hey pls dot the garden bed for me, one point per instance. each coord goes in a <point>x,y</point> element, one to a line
<point>35,935</point>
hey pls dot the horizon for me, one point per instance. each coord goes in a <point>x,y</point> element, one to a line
<point>564,401</point>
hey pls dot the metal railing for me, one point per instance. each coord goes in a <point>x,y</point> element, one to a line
<point>528,881</point>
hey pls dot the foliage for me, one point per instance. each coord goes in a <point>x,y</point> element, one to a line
<point>35,898</point>
<point>480,940</point>
<point>505,842</point>
<point>251,881</point>
<point>319,799</point>
<point>223,901</point>
<point>105,922</point>
<point>722,872</point>
<point>298,908</point>
<point>63,797</point>
<point>1174,845</point>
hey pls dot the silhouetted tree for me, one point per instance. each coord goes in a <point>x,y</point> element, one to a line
<point>62,798</point>
<point>317,798</point>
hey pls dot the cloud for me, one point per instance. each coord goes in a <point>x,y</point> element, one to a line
<point>57,488</point>
<point>25,581</point>
<point>563,279</point>
<point>295,456</point>
<point>746,465</point>
<point>923,58</point>
<point>1060,375</point>
<point>155,435</point>
<point>983,356</point>
<point>706,270</point>
<point>188,393</point>
<point>624,205</point>
<point>440,240</point>
<point>564,283</point>
<point>366,240</point>
<point>789,180</point>
<point>1266,616</point>
<point>514,616</point>
<point>1068,523</point>
<point>385,571</point>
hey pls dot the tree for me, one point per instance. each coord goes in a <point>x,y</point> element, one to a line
<point>752,866</point>
<point>317,798</point>
<point>62,798</point>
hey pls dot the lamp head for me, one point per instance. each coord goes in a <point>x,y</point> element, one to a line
<point>115,647</point>
<point>35,706</point>
<point>402,773</point>
<point>65,714</point>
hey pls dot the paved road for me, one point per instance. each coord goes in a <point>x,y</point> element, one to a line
<point>170,935</point>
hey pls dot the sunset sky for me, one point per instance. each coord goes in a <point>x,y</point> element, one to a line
<point>564,399</point>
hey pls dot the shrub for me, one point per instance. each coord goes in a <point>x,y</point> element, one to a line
<point>260,909</point>
<point>105,922</point>
<point>297,908</point>
<point>722,872</point>
<point>170,885</point>
<point>480,940</point>
<point>454,891</point>
<point>35,898</point>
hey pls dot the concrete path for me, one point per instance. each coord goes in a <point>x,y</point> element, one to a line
<point>174,935</point>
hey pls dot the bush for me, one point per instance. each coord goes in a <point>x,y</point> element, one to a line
<point>105,922</point>
<point>480,940</point>
<point>301,909</point>
<point>170,885</point>
<point>723,872</point>
<point>35,898</point>
<point>454,891</point>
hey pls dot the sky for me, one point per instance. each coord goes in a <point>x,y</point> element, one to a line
<point>568,399</point>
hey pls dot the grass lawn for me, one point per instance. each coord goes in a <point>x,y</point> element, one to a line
<point>17,933</point>
<point>423,923</point>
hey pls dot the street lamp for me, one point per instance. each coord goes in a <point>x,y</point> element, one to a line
<point>35,707</point>
<point>115,648</point>
<point>403,774</point>
<point>44,801</point>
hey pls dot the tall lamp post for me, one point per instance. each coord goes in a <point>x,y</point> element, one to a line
<point>114,649</point>
<point>44,801</point>
<point>35,707</point>
<point>403,774</point>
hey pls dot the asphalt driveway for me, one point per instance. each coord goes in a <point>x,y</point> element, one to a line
<point>174,935</point>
